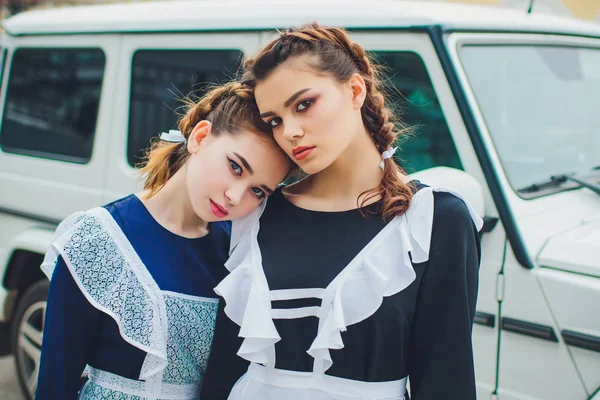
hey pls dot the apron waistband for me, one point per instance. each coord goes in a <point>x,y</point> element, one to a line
<point>167,391</point>
<point>326,383</point>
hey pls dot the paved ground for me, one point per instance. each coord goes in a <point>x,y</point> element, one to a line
<point>9,387</point>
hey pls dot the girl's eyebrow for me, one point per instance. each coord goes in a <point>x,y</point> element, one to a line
<point>244,163</point>
<point>287,103</point>
<point>294,97</point>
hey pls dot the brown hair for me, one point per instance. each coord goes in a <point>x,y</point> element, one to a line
<point>229,108</point>
<point>338,56</point>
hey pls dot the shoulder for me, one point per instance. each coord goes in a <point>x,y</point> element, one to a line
<point>119,208</point>
<point>450,210</point>
<point>454,229</point>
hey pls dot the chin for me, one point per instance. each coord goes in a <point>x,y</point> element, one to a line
<point>313,166</point>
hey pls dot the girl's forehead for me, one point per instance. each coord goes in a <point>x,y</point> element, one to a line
<point>284,82</point>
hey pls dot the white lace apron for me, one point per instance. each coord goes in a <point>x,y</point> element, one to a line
<point>174,330</point>
<point>382,268</point>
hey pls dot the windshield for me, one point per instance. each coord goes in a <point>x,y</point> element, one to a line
<point>541,106</point>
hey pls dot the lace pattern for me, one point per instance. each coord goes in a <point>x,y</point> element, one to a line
<point>191,330</point>
<point>175,330</point>
<point>105,389</point>
<point>108,270</point>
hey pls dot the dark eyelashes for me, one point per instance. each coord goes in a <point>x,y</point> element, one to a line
<point>260,195</point>
<point>307,103</point>
<point>235,167</point>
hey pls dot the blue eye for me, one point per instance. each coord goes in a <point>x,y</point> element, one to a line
<point>235,167</point>
<point>259,193</point>
<point>303,105</point>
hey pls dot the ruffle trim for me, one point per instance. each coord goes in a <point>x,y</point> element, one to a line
<point>114,280</point>
<point>247,300</point>
<point>383,268</point>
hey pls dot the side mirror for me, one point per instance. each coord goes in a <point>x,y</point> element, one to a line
<point>460,181</point>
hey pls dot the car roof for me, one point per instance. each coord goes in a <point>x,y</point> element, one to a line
<point>232,15</point>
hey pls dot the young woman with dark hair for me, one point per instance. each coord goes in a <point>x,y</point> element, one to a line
<point>356,278</point>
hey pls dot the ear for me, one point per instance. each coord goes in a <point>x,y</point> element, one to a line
<point>359,90</point>
<point>200,132</point>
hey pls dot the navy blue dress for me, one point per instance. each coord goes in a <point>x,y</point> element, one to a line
<point>79,332</point>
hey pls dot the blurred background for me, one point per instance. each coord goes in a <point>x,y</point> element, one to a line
<point>585,9</point>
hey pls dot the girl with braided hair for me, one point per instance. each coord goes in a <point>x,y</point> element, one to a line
<point>131,293</point>
<point>357,278</point>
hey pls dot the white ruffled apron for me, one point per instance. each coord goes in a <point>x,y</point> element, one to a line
<point>173,329</point>
<point>381,269</point>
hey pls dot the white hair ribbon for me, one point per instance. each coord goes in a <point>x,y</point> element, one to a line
<point>389,153</point>
<point>172,136</point>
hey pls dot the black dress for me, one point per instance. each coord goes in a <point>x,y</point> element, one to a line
<point>418,325</point>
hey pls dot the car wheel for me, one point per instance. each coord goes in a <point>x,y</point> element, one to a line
<point>27,332</point>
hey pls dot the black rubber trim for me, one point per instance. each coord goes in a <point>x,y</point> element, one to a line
<point>5,348</point>
<point>35,217</point>
<point>506,216</point>
<point>581,340</point>
<point>485,319</point>
<point>489,223</point>
<point>529,329</point>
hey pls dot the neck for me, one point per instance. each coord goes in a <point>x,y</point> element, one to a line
<point>355,171</point>
<point>171,207</point>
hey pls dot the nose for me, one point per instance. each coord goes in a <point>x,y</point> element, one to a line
<point>292,130</point>
<point>234,194</point>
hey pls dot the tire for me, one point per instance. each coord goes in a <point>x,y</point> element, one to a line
<point>26,336</point>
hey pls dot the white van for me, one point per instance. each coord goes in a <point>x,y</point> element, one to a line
<point>506,108</point>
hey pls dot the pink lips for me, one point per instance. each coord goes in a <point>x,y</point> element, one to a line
<point>218,210</point>
<point>302,152</point>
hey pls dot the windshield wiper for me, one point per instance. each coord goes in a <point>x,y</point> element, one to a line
<point>557,180</point>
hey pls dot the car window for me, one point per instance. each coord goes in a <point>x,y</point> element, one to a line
<point>415,101</point>
<point>539,104</point>
<point>52,103</point>
<point>160,80</point>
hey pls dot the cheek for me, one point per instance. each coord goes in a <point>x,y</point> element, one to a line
<point>281,141</point>
<point>204,177</point>
<point>329,119</point>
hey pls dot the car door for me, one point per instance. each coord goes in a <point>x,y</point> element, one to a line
<point>534,360</point>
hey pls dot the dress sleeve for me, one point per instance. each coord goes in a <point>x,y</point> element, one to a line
<point>441,355</point>
<point>69,329</point>
<point>225,367</point>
